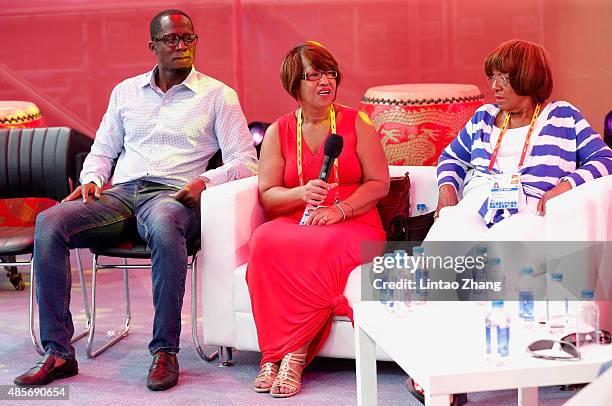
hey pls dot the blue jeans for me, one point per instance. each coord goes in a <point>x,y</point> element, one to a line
<point>142,206</point>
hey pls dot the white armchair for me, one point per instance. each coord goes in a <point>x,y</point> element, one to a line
<point>230,214</point>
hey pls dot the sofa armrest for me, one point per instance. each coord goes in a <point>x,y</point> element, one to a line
<point>423,185</point>
<point>585,214</point>
<point>230,213</point>
<point>581,214</point>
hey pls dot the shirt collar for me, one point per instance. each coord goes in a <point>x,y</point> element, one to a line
<point>191,81</point>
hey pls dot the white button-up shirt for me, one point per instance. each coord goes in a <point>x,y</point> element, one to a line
<point>170,137</point>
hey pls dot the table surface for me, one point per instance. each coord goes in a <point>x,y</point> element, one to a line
<point>442,346</point>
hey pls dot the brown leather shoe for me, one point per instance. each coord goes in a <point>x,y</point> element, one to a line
<point>164,371</point>
<point>46,372</point>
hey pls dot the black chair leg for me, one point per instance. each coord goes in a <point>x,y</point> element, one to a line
<point>225,357</point>
<point>13,273</point>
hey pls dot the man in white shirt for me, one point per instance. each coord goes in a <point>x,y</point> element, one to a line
<point>161,128</point>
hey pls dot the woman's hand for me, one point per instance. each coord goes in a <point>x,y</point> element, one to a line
<point>562,187</point>
<point>447,196</point>
<point>315,191</point>
<point>324,216</point>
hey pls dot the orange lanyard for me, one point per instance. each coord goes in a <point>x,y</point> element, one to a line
<point>527,139</point>
<point>332,120</point>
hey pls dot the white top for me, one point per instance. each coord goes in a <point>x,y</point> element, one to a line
<point>507,161</point>
<point>510,149</point>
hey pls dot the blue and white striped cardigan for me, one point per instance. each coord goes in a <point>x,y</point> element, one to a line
<point>565,147</point>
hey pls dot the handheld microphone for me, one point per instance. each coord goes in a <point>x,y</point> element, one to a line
<point>332,149</point>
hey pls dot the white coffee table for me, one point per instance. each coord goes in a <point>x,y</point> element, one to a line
<point>441,346</point>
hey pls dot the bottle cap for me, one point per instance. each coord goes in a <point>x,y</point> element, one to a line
<point>557,277</point>
<point>494,261</point>
<point>587,294</point>
<point>497,303</point>
<point>526,271</point>
<point>418,250</point>
<point>421,206</point>
<point>482,250</point>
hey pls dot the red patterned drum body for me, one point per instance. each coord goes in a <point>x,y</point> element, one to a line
<point>19,114</point>
<point>21,212</point>
<point>415,122</point>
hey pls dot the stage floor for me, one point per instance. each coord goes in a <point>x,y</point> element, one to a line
<point>118,376</point>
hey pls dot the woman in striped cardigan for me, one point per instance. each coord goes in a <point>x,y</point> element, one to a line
<point>550,144</point>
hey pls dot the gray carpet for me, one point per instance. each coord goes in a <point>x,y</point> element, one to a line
<point>118,376</point>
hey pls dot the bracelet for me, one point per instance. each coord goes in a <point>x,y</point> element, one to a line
<point>351,207</point>
<point>343,213</point>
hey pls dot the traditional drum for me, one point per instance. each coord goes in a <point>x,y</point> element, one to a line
<point>21,212</point>
<point>19,114</point>
<point>415,122</point>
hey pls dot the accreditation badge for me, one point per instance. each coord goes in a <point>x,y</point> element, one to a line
<point>504,191</point>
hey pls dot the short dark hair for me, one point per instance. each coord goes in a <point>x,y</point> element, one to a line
<point>528,66</point>
<point>317,55</point>
<point>155,25</point>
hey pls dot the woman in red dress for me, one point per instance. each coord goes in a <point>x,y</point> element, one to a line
<point>297,273</point>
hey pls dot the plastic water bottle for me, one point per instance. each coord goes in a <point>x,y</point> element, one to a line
<point>587,318</point>
<point>556,305</point>
<point>495,275</point>
<point>421,276</point>
<point>401,293</point>
<point>420,209</point>
<point>479,275</point>
<point>497,334</point>
<point>526,294</point>
<point>386,293</point>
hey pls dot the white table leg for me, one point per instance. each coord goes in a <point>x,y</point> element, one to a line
<point>436,400</point>
<point>365,359</point>
<point>528,396</point>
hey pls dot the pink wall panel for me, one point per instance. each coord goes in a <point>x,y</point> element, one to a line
<point>66,55</point>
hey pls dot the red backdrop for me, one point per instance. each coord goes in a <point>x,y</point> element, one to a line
<point>66,55</point>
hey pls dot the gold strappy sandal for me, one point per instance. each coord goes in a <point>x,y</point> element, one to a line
<point>265,379</point>
<point>289,375</point>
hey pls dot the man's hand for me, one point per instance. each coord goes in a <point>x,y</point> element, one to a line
<point>189,195</point>
<point>447,196</point>
<point>562,187</point>
<point>84,191</point>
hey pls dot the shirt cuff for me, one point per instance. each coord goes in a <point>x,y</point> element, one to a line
<point>92,178</point>
<point>215,176</point>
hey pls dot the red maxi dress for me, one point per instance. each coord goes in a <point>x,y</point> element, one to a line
<point>297,274</point>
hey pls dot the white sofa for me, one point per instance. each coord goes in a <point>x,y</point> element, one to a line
<point>231,212</point>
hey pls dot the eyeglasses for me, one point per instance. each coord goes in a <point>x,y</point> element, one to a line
<point>173,40</point>
<point>546,344</point>
<point>601,337</point>
<point>315,76</point>
<point>502,80</point>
